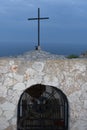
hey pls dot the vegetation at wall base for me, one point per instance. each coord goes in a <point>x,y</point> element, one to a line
<point>72,56</point>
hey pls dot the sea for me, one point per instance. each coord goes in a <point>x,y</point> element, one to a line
<point>14,49</point>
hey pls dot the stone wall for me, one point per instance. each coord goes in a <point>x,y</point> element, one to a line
<point>70,76</point>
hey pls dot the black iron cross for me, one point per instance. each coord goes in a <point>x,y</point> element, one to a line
<point>38,19</point>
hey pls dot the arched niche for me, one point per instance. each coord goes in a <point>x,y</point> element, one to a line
<point>42,107</point>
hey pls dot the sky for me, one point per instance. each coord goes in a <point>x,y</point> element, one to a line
<point>65,29</point>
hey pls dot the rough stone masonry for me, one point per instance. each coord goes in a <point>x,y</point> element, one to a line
<point>69,75</point>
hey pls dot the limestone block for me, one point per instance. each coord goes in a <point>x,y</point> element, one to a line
<point>80,125</point>
<point>11,127</point>
<point>15,77</point>
<point>80,78</point>
<point>84,87</point>
<point>1,111</point>
<point>3,123</point>
<point>8,114</point>
<point>84,90</point>
<point>49,80</point>
<point>60,76</point>
<point>4,69</point>
<point>8,82</point>
<point>75,104</point>
<point>38,79</point>
<point>14,68</point>
<point>3,91</point>
<point>19,86</point>
<point>7,106</point>
<point>46,78</point>
<point>2,100</point>
<point>38,66</point>
<point>30,73</point>
<point>13,96</point>
<point>83,114</point>
<point>11,62</point>
<point>74,97</point>
<point>14,121</point>
<point>70,86</point>
<point>10,75</point>
<point>85,104</point>
<point>80,66</point>
<point>30,83</point>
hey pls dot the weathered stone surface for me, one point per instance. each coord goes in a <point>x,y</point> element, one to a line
<point>11,127</point>
<point>11,62</point>
<point>14,68</point>
<point>4,69</point>
<point>17,78</point>
<point>12,96</point>
<point>2,99</point>
<point>70,76</point>
<point>84,90</point>
<point>83,115</point>
<point>80,125</point>
<point>19,86</point>
<point>3,123</point>
<point>8,114</point>
<point>75,97</point>
<point>14,121</point>
<point>30,73</point>
<point>8,81</point>
<point>40,56</point>
<point>3,91</point>
<point>49,80</point>
<point>1,111</point>
<point>14,78</point>
<point>30,83</point>
<point>7,106</point>
<point>38,66</point>
<point>85,104</point>
<point>76,108</point>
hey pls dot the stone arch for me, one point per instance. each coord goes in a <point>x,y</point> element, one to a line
<point>42,107</point>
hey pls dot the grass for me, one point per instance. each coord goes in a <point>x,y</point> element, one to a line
<point>72,56</point>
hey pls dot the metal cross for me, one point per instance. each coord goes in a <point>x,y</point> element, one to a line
<point>38,19</point>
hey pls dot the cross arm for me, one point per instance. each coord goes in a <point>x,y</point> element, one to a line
<point>44,18</point>
<point>32,18</point>
<point>38,18</point>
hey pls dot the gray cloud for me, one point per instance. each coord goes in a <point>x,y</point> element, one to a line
<point>69,14</point>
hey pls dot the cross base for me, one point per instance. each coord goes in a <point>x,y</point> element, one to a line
<point>37,48</point>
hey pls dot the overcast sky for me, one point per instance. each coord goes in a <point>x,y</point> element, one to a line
<point>67,23</point>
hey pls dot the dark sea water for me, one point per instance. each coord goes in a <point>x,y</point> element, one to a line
<point>60,49</point>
